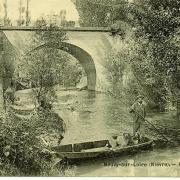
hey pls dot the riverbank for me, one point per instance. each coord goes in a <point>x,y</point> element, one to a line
<point>96,116</point>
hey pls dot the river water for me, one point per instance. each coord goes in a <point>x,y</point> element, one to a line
<point>96,116</point>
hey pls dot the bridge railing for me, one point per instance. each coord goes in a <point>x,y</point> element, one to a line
<point>79,29</point>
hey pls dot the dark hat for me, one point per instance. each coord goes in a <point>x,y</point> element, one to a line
<point>114,136</point>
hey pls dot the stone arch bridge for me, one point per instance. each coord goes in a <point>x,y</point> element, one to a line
<point>88,45</point>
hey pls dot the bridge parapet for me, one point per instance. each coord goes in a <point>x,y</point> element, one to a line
<point>79,29</point>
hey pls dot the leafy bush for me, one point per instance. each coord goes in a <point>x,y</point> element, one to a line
<point>157,22</point>
<point>124,83</point>
<point>22,150</point>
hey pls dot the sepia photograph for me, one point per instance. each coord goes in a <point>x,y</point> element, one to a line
<point>90,88</point>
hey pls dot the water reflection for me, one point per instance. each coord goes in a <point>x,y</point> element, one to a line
<point>98,117</point>
<point>91,95</point>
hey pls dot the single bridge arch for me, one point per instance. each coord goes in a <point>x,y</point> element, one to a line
<point>89,46</point>
<point>81,55</point>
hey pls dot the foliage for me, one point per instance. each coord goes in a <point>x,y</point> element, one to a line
<point>22,152</point>
<point>158,20</point>
<point>47,65</point>
<point>157,25</point>
<point>101,13</point>
<point>153,52</point>
<point>124,83</point>
<point>42,70</point>
<point>51,35</point>
<point>133,71</point>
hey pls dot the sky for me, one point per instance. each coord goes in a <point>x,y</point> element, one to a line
<point>39,8</point>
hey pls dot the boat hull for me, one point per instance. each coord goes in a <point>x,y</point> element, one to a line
<point>106,153</point>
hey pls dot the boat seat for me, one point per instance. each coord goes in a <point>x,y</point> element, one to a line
<point>63,148</point>
<point>89,145</point>
<point>95,149</point>
<point>98,144</point>
<point>78,147</point>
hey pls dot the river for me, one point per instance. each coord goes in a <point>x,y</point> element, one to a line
<point>96,116</point>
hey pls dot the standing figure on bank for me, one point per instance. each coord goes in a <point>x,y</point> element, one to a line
<point>139,114</point>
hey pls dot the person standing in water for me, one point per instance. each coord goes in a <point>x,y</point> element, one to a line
<point>139,113</point>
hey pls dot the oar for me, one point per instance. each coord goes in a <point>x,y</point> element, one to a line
<point>143,118</point>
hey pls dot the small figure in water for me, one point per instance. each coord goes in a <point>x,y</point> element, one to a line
<point>139,114</point>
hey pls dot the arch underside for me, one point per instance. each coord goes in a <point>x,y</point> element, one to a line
<point>82,56</point>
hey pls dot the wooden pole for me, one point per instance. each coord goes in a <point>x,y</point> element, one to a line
<point>157,130</point>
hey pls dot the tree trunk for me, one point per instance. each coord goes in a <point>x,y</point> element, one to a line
<point>178,109</point>
<point>1,100</point>
<point>178,106</point>
<point>1,69</point>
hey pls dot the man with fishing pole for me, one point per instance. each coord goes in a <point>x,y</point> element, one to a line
<point>139,114</point>
<point>138,110</point>
<point>139,118</point>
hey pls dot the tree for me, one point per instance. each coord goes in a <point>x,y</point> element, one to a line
<point>47,65</point>
<point>41,64</point>
<point>62,16</point>
<point>158,23</point>
<point>6,66</point>
<point>21,20</point>
<point>101,13</point>
<point>5,12</point>
<point>7,21</point>
<point>153,50</point>
<point>28,18</point>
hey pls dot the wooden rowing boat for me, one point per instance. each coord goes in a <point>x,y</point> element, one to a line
<point>97,149</point>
